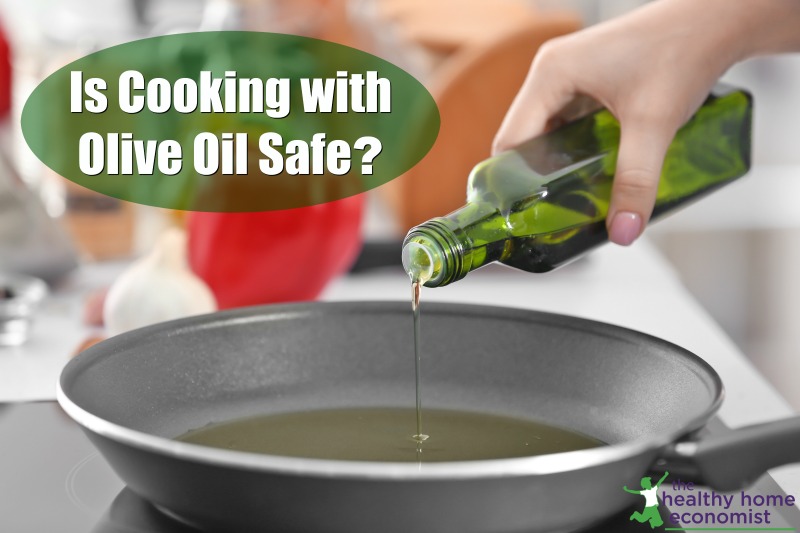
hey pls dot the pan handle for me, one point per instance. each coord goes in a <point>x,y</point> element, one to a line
<point>736,459</point>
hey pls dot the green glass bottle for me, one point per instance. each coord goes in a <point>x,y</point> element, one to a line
<point>544,203</point>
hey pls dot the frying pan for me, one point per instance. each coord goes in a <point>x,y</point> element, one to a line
<point>644,396</point>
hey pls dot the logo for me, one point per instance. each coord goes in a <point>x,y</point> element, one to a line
<point>650,492</point>
<point>692,508</point>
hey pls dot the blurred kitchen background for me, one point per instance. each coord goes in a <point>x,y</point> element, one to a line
<point>736,251</point>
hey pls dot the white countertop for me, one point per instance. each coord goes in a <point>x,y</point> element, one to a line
<point>632,287</point>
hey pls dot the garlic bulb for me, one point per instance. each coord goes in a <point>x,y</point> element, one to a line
<point>157,287</point>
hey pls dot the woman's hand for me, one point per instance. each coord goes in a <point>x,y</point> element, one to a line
<point>652,68</point>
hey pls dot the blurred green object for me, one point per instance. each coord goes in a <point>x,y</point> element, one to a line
<point>54,132</point>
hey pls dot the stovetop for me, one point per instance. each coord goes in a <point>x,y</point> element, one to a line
<point>52,480</point>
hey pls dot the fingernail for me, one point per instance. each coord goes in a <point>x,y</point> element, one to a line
<point>625,227</point>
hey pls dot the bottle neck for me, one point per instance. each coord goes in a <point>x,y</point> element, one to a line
<point>441,250</point>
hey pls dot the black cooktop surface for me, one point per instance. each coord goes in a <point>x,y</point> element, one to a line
<point>52,480</point>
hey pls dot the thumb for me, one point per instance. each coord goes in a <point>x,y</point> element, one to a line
<point>643,146</point>
<point>540,98</point>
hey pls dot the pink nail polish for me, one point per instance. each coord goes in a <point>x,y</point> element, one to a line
<point>625,228</point>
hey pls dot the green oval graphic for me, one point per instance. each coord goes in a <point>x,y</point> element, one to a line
<point>230,121</point>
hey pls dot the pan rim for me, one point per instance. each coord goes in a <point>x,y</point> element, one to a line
<point>375,471</point>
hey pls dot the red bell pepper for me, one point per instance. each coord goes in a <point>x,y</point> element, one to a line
<point>5,74</point>
<point>274,256</point>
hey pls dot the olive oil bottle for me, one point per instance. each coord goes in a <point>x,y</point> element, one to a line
<point>544,203</point>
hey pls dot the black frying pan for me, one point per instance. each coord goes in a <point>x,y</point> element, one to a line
<point>136,391</point>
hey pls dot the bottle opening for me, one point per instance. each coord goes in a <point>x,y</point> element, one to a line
<point>417,262</point>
